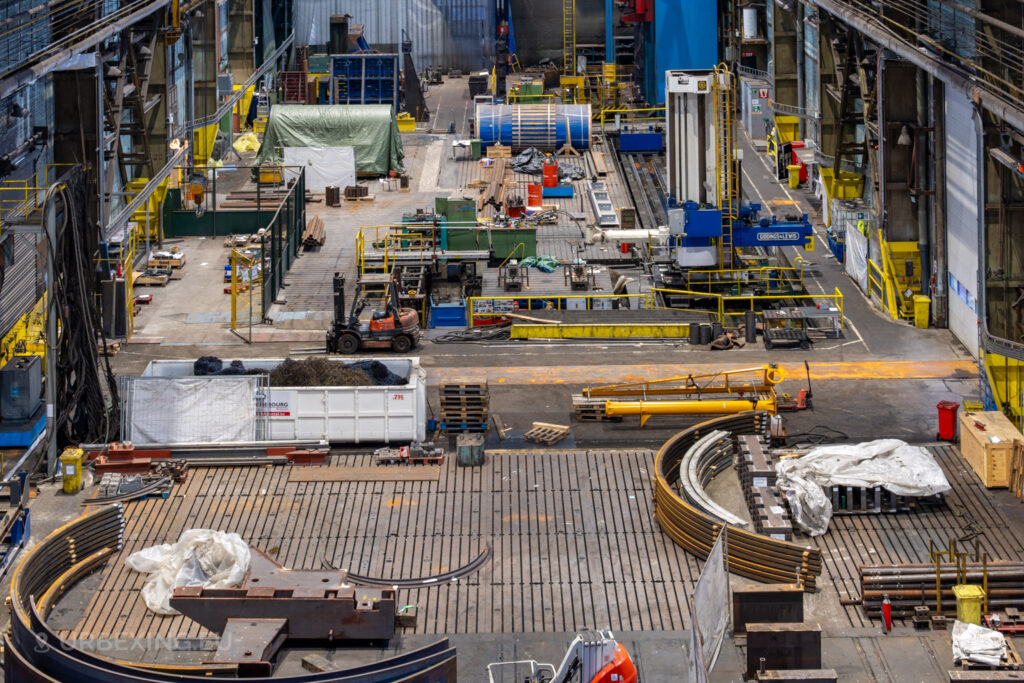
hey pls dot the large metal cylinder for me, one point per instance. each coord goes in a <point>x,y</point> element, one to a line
<point>544,126</point>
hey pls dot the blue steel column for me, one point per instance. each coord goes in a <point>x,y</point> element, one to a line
<point>609,32</point>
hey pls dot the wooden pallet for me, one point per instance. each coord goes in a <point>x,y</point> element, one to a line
<point>465,401</point>
<point>591,409</point>
<point>167,263</point>
<point>1012,662</point>
<point>498,152</point>
<point>367,198</point>
<point>545,433</point>
<point>462,389</point>
<point>142,280</point>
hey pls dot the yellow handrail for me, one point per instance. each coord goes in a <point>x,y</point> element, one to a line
<point>513,253</point>
<point>555,299</point>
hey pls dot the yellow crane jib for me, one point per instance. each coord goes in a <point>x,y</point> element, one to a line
<point>645,409</point>
<point>719,393</point>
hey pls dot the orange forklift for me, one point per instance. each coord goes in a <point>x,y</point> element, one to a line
<point>362,328</point>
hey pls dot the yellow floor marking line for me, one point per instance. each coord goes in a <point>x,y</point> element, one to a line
<point>603,374</point>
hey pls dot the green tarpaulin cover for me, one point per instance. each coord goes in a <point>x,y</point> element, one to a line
<point>370,129</point>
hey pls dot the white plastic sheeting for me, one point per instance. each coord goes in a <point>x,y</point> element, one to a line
<point>890,463</point>
<point>324,166</point>
<point>977,644</point>
<point>857,258</point>
<point>201,557</point>
<point>192,410</point>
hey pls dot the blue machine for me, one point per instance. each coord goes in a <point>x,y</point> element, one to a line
<point>630,141</point>
<point>693,231</point>
<point>751,231</point>
<point>685,36</point>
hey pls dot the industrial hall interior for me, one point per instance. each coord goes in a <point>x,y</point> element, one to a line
<point>512,341</point>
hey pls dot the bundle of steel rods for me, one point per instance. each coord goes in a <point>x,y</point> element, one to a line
<point>910,585</point>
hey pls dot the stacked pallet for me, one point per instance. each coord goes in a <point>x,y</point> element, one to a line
<point>464,407</point>
<point>315,233</point>
<point>588,409</point>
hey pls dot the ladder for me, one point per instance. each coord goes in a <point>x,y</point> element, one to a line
<point>569,37</point>
<point>725,146</point>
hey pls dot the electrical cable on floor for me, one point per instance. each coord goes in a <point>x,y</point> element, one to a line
<point>819,435</point>
<point>476,335</point>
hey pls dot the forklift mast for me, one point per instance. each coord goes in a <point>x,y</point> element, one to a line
<point>339,299</point>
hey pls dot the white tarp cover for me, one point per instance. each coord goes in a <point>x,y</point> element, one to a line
<point>977,644</point>
<point>192,410</point>
<point>710,606</point>
<point>324,165</point>
<point>857,257</point>
<point>201,557</point>
<point>890,463</point>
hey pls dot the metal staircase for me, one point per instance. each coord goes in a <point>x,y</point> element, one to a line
<point>724,92</point>
<point>569,37</point>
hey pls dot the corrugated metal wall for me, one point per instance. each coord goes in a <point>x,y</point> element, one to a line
<point>538,28</point>
<point>454,34</point>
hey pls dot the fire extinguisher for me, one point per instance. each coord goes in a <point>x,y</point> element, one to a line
<point>887,612</point>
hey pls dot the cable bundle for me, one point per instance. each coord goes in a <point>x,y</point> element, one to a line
<point>83,411</point>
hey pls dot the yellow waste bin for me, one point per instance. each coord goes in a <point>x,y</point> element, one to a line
<point>794,176</point>
<point>922,307</point>
<point>969,599</point>
<point>71,469</point>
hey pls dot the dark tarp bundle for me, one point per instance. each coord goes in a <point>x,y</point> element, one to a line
<point>531,162</point>
<point>370,129</point>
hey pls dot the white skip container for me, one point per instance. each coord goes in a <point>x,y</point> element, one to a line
<point>337,414</point>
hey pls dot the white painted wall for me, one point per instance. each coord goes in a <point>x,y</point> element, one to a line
<point>962,218</point>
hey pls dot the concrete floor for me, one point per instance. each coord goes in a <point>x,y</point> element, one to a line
<point>882,380</point>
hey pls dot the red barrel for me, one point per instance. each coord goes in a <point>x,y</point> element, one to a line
<point>947,420</point>
<point>535,195</point>
<point>550,178</point>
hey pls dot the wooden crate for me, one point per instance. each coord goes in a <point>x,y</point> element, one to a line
<point>989,459</point>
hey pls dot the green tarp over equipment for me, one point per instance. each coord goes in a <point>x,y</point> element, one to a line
<point>370,129</point>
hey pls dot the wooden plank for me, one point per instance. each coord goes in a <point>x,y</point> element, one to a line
<point>368,473</point>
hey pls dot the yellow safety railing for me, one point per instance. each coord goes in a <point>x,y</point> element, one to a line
<point>25,196</point>
<point>906,281</point>
<point>514,96</point>
<point>387,242</point>
<point>882,287</point>
<point>726,305</point>
<point>629,115</point>
<point>772,276</point>
<point>748,302</point>
<point>551,302</point>
<point>654,291</point>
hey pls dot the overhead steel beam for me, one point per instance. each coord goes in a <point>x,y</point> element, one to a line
<point>953,77</point>
<point>124,215</point>
<point>91,36</point>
